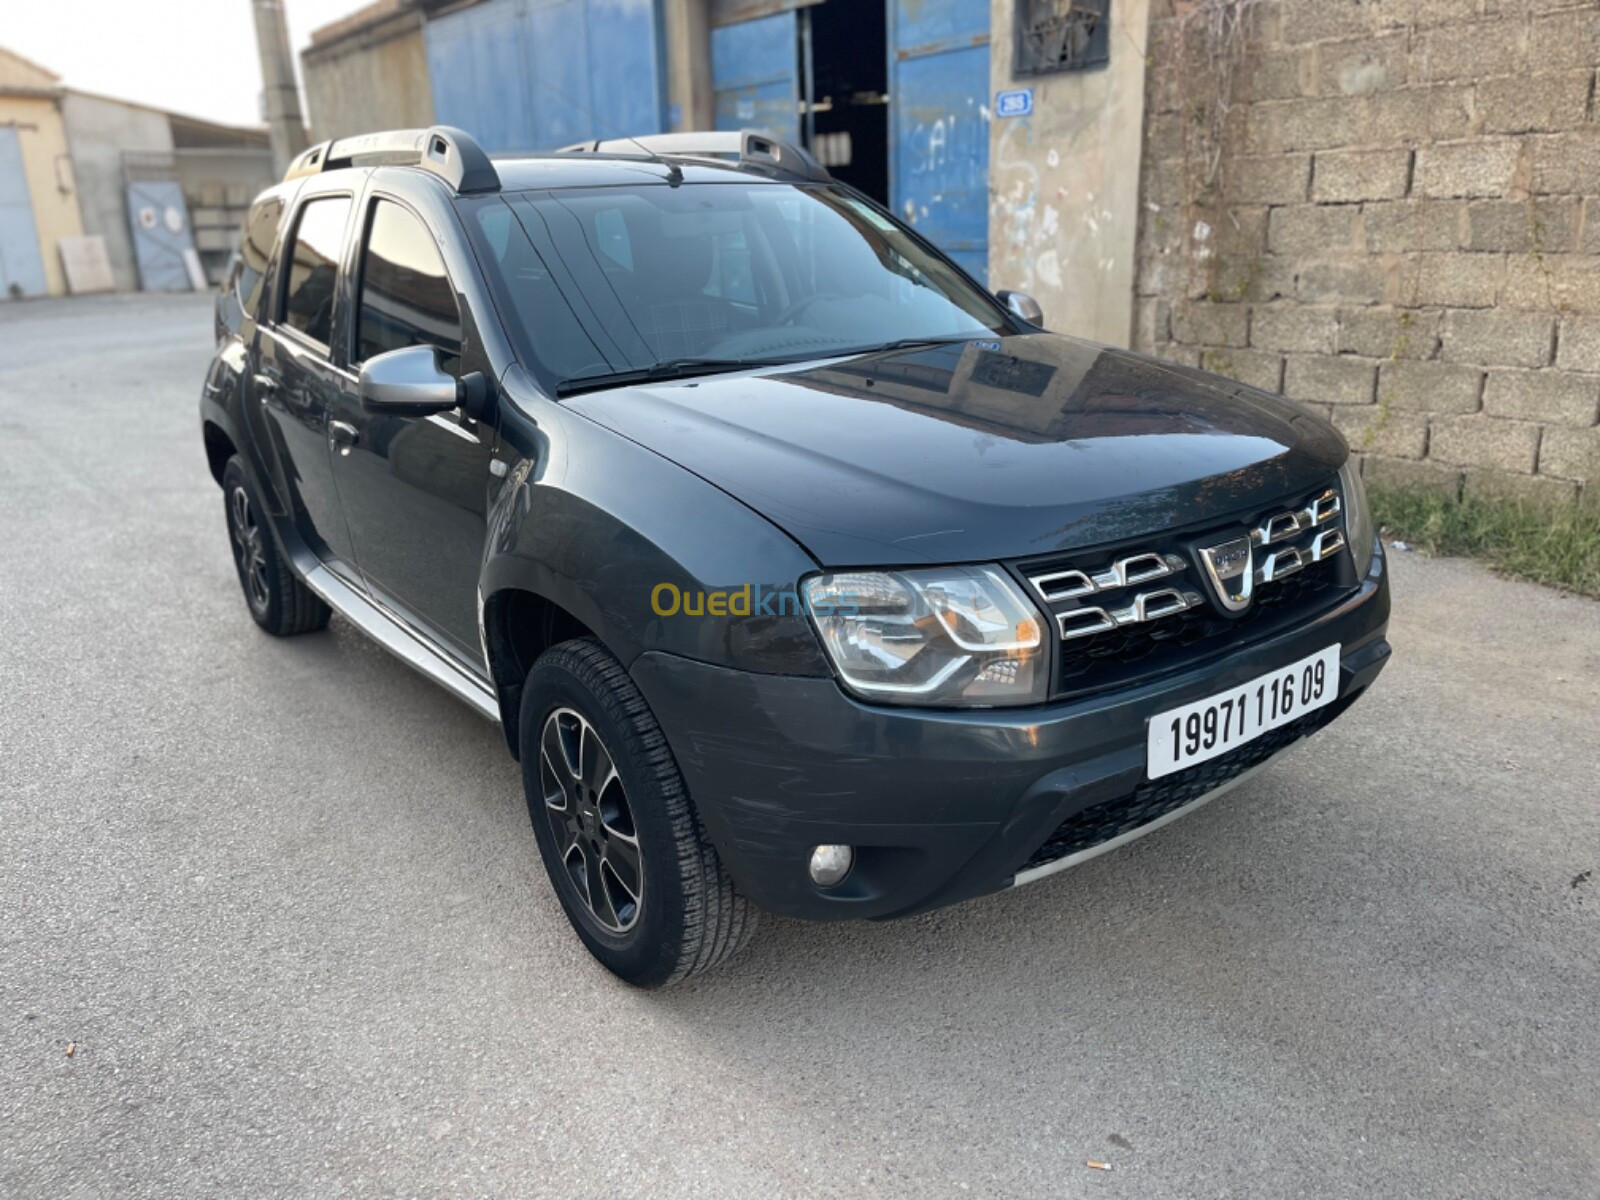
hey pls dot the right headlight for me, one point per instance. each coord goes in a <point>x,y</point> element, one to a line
<point>949,636</point>
<point>1358,528</point>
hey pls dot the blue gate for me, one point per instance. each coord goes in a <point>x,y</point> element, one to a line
<point>539,74</point>
<point>21,268</point>
<point>939,124</point>
<point>755,75</point>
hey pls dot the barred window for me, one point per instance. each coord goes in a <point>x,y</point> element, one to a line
<point>1062,35</point>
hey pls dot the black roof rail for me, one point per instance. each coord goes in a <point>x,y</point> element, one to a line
<point>448,152</point>
<point>749,146</point>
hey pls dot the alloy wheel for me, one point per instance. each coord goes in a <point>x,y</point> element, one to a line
<point>249,549</point>
<point>587,809</point>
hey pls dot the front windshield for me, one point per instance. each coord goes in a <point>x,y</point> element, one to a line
<point>608,280</point>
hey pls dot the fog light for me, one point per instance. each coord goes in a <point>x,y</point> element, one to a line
<point>830,864</point>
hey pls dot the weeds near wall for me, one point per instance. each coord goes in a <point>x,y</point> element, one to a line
<point>1215,44</point>
<point>1519,538</point>
<point>1214,48</point>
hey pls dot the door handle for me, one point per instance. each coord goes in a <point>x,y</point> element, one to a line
<point>343,435</point>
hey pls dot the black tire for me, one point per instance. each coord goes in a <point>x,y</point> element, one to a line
<point>278,601</point>
<point>688,917</point>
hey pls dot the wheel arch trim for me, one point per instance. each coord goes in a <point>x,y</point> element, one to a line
<point>522,612</point>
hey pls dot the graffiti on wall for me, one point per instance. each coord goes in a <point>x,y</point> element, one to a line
<point>947,149</point>
<point>1048,212</point>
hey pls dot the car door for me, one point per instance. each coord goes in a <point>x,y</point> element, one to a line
<point>414,489</point>
<point>299,369</point>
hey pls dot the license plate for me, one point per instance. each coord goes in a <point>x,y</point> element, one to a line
<point>1182,737</point>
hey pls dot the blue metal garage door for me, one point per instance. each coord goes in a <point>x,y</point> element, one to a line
<point>755,75</point>
<point>537,74</point>
<point>21,268</point>
<point>939,124</point>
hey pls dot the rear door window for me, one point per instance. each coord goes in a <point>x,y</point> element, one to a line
<point>406,297</point>
<point>313,261</point>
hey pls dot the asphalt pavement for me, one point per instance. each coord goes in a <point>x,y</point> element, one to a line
<point>272,921</point>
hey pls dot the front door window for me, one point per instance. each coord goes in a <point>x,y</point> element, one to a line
<point>406,297</point>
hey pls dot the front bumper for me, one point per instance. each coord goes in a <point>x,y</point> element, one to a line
<point>944,805</point>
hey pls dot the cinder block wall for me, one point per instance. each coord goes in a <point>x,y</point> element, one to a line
<point>1393,215</point>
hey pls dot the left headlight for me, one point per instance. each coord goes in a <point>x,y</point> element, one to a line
<point>950,636</point>
<point>1357,518</point>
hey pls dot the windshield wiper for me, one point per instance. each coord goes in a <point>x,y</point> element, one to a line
<point>914,343</point>
<point>672,368</point>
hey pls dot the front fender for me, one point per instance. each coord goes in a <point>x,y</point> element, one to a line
<point>611,532</point>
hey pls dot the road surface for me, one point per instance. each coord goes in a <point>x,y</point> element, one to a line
<point>281,901</point>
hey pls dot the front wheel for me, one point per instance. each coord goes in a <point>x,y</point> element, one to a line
<point>624,849</point>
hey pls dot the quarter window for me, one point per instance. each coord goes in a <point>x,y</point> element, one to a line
<point>255,248</point>
<point>406,297</point>
<point>313,258</point>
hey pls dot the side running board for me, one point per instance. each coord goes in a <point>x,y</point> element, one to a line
<point>399,641</point>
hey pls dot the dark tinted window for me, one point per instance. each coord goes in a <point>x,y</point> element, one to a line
<point>545,322</point>
<point>313,259</point>
<point>598,280</point>
<point>406,297</point>
<point>255,248</point>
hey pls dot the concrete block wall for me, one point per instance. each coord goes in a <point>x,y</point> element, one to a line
<point>1403,229</point>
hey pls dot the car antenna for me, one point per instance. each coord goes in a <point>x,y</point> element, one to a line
<point>674,171</point>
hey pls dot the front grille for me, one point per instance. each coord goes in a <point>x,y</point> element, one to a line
<point>1112,657</point>
<point>1129,614</point>
<point>1155,798</point>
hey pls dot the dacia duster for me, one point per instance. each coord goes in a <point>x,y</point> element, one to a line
<point>801,572</point>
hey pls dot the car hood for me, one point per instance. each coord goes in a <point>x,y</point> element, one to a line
<point>979,450</point>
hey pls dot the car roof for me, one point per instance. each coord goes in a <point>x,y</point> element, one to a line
<point>457,160</point>
<point>524,172</point>
<point>556,172</point>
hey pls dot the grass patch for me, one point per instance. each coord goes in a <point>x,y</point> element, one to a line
<point>1557,547</point>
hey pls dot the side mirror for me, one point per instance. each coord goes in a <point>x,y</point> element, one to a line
<point>408,383</point>
<point>1022,306</point>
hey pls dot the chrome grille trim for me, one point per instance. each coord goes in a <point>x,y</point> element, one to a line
<point>1152,606</point>
<point>1314,541</point>
<point>1084,622</point>
<point>1144,568</point>
<point>1329,542</point>
<point>1283,526</point>
<point>1280,565</point>
<point>1146,606</point>
<point>1076,584</point>
<point>1279,528</point>
<point>1130,571</point>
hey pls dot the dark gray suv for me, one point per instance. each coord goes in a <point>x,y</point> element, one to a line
<point>801,573</point>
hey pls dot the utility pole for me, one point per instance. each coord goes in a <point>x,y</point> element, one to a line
<point>688,29</point>
<point>284,123</point>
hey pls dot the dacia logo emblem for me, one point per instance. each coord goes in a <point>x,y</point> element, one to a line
<point>1231,568</point>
